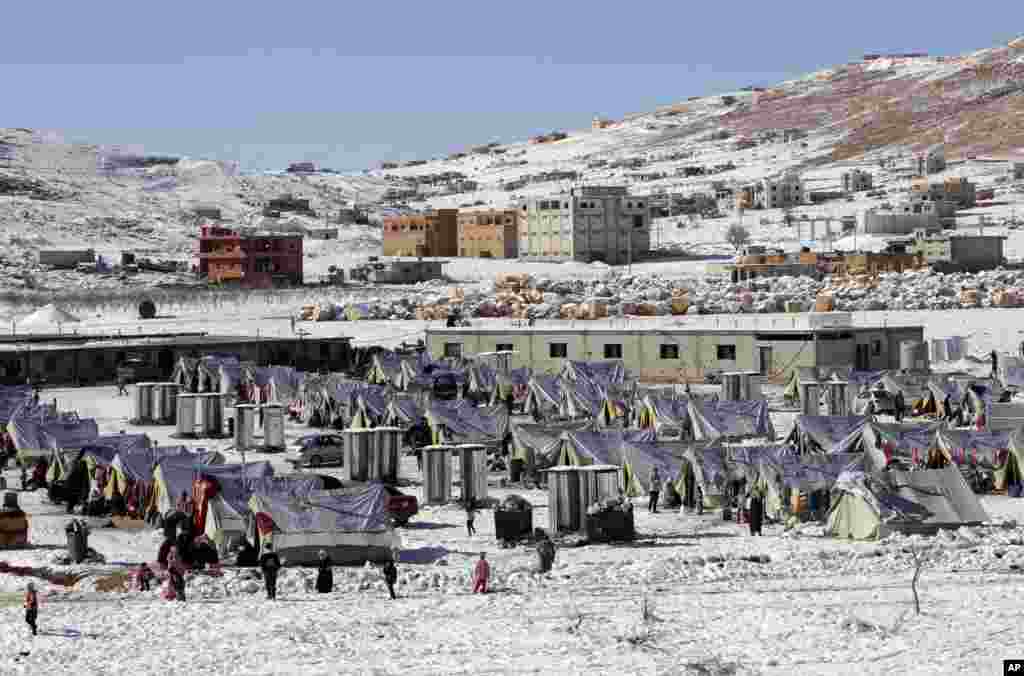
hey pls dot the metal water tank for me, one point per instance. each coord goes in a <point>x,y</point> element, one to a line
<point>169,396</point>
<point>750,387</point>
<point>731,387</point>
<point>245,420</point>
<point>143,404</point>
<point>913,356</point>
<point>564,513</point>
<point>273,426</point>
<point>598,482</point>
<point>389,445</point>
<point>437,475</point>
<point>472,471</point>
<point>186,415</point>
<point>810,397</point>
<point>213,414</point>
<point>358,449</point>
<point>838,398</point>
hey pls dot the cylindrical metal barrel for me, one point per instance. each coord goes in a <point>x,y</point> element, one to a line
<point>273,426</point>
<point>213,414</point>
<point>143,403</point>
<point>913,356</point>
<point>472,471</point>
<point>169,399</point>
<point>597,482</point>
<point>810,397</point>
<point>437,475</point>
<point>731,387</point>
<point>245,419</point>
<point>186,415</point>
<point>358,449</point>
<point>564,512</point>
<point>838,401</point>
<point>389,444</point>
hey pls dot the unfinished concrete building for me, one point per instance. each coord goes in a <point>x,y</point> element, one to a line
<point>587,224</point>
<point>489,233</point>
<point>777,193</point>
<point>958,191</point>
<point>857,180</point>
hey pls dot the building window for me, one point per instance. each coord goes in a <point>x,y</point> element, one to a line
<point>50,365</point>
<point>613,351</point>
<point>638,221</point>
<point>504,347</point>
<point>669,351</point>
<point>263,265</point>
<point>558,350</point>
<point>726,353</point>
<point>453,350</point>
<point>876,347</point>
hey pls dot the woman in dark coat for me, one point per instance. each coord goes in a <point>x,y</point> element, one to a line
<point>756,513</point>
<point>325,574</point>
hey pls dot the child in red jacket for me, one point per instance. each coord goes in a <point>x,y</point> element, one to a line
<point>480,574</point>
<point>31,607</point>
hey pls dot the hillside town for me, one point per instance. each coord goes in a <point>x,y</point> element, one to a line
<point>747,362</point>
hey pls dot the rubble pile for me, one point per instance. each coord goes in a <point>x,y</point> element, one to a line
<point>521,296</point>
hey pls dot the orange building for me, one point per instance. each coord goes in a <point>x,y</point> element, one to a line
<point>430,234</point>
<point>489,233</point>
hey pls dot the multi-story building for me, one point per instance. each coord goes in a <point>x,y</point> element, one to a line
<point>489,233</point>
<point>903,219</point>
<point>431,233</point>
<point>932,161</point>
<point>251,258</point>
<point>786,191</point>
<point>587,224</point>
<point>958,191</point>
<point>857,180</point>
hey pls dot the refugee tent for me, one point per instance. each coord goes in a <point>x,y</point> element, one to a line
<point>583,399</point>
<point>544,397</point>
<point>403,411</point>
<point>978,398</point>
<point>372,401</point>
<point>705,468</point>
<point>873,505</point>
<point>482,379</point>
<point>35,431</point>
<point>826,433</point>
<point>186,373</point>
<point>47,318</point>
<point>730,419</point>
<point>385,369</point>
<point>173,476</point>
<point>913,387</point>
<point>13,397</point>
<point>284,384</point>
<point>604,374</point>
<point>459,422</point>
<point>635,451</point>
<point>668,416</point>
<point>208,371</point>
<point>137,466</point>
<point>515,382</point>
<point>539,446</point>
<point>938,389</point>
<point>986,456</point>
<point>351,524</point>
<point>909,442</point>
<point>786,474</point>
<point>230,378</point>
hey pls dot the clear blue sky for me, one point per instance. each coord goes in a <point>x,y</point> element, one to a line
<point>347,83</point>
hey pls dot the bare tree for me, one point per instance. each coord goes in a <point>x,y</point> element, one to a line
<point>919,557</point>
<point>737,236</point>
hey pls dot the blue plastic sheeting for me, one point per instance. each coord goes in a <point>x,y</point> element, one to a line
<point>602,373</point>
<point>347,510</point>
<point>37,429</point>
<point>178,471</point>
<point>545,393</point>
<point>829,433</point>
<point>964,446</point>
<point>373,400</point>
<point>12,397</point>
<point>806,473</point>
<point>106,447</point>
<point>730,419</point>
<point>465,423</point>
<point>404,411</point>
<point>139,465</point>
<point>674,411</point>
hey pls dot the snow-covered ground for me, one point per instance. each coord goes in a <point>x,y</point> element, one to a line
<point>781,604</point>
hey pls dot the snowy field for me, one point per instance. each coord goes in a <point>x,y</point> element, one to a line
<point>785,603</point>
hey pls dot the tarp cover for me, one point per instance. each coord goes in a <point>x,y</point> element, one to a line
<point>464,423</point>
<point>105,448</point>
<point>730,419</point>
<point>34,430</point>
<point>827,433</point>
<point>11,398</point>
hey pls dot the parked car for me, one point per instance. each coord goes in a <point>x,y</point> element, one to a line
<point>315,450</point>
<point>400,506</point>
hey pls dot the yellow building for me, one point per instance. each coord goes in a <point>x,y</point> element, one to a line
<point>432,234</point>
<point>489,233</point>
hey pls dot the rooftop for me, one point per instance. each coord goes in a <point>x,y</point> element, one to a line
<point>67,342</point>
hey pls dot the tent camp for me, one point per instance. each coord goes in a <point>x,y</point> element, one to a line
<point>539,446</point>
<point>352,525</point>
<point>174,474</point>
<point>47,318</point>
<point>987,457</point>
<point>909,443</point>
<point>873,505</point>
<point>403,411</point>
<point>635,451</point>
<point>668,416</point>
<point>459,422</point>
<point>730,420</point>
<point>36,431</point>
<point>543,397</point>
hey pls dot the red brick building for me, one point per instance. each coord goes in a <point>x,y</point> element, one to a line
<point>255,260</point>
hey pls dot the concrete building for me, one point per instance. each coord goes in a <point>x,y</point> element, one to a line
<point>786,191</point>
<point>94,359</point>
<point>857,180</point>
<point>254,259</point>
<point>960,253</point>
<point>903,219</point>
<point>489,233</point>
<point>931,161</point>
<point>587,224</point>
<point>429,234</point>
<point>957,191</point>
<point>773,345</point>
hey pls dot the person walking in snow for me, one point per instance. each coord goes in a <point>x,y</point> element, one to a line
<point>391,576</point>
<point>655,489</point>
<point>481,574</point>
<point>325,574</point>
<point>470,517</point>
<point>756,513</point>
<point>994,356</point>
<point>545,553</point>
<point>270,563</point>
<point>31,607</point>
<point>143,577</point>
